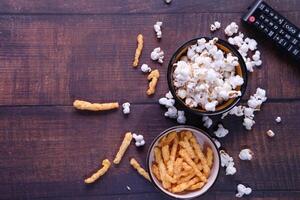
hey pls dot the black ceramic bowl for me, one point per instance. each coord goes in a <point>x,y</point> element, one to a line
<point>240,70</point>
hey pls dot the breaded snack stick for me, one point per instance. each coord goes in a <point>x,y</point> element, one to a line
<point>106,164</point>
<point>85,105</point>
<point>183,186</point>
<point>209,157</point>
<point>126,141</point>
<point>153,78</point>
<point>196,186</point>
<point>170,164</point>
<point>155,171</point>
<point>138,51</point>
<point>140,170</point>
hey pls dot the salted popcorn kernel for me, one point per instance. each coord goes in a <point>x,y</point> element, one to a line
<point>221,131</point>
<point>169,95</point>
<point>139,140</point>
<point>270,133</point>
<point>246,154</point>
<point>126,108</point>
<point>207,121</point>
<point>166,102</point>
<point>230,169</point>
<point>211,106</point>
<point>181,117</point>
<point>145,68</point>
<point>231,29</point>
<point>217,142</point>
<point>227,162</point>
<point>242,190</point>
<point>157,54</point>
<point>157,29</point>
<point>171,113</point>
<point>278,119</point>
<point>248,123</point>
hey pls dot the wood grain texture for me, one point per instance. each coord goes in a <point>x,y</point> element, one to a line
<point>47,151</point>
<point>133,6</point>
<point>51,60</point>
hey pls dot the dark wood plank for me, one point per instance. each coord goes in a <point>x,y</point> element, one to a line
<point>47,151</point>
<point>50,60</point>
<point>133,6</point>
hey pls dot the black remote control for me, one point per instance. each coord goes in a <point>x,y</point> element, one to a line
<point>275,27</point>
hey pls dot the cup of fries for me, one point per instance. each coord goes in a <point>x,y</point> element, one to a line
<point>183,162</point>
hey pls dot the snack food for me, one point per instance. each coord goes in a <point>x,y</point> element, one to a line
<point>180,164</point>
<point>138,51</point>
<point>126,141</point>
<point>207,76</point>
<point>106,164</point>
<point>140,170</point>
<point>153,78</point>
<point>85,105</point>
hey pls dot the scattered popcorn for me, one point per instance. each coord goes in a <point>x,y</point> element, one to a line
<point>231,29</point>
<point>157,54</point>
<point>207,121</point>
<point>246,154</point>
<point>169,95</point>
<point>221,131</point>
<point>128,188</point>
<point>257,99</point>
<point>217,142</point>
<point>168,1</point>
<point>157,29</point>
<point>139,140</point>
<point>171,113</point>
<point>227,161</point>
<point>215,26</point>
<point>270,133</point>
<point>181,119</point>
<point>126,108</point>
<point>166,102</point>
<point>278,119</point>
<point>206,77</point>
<point>248,123</point>
<point>241,189</point>
<point>145,68</point>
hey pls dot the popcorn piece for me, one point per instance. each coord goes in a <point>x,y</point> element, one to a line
<point>242,190</point>
<point>157,29</point>
<point>207,121</point>
<point>181,119</point>
<point>126,108</point>
<point>128,188</point>
<point>145,68</point>
<point>157,54</point>
<point>169,95</point>
<point>85,105</point>
<point>231,29</point>
<point>248,123</point>
<point>227,162</point>
<point>166,102</point>
<point>221,131</point>
<point>171,113</point>
<point>246,154</point>
<point>138,50</point>
<point>139,140</point>
<point>278,119</point>
<point>217,142</point>
<point>257,99</point>
<point>270,133</point>
<point>215,26</point>
<point>153,78</point>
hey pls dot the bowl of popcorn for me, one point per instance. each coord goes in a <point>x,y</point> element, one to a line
<point>183,162</point>
<point>207,76</point>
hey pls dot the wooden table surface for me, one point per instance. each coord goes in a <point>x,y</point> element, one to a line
<point>52,52</point>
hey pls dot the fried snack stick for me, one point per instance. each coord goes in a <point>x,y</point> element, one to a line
<point>153,78</point>
<point>165,153</point>
<point>106,164</point>
<point>196,186</point>
<point>138,51</point>
<point>167,139</point>
<point>85,105</point>
<point>170,164</point>
<point>183,153</point>
<point>183,186</point>
<point>209,157</point>
<point>199,153</point>
<point>139,169</point>
<point>155,171</point>
<point>186,145</point>
<point>126,141</point>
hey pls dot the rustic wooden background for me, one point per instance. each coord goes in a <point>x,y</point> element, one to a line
<point>52,52</point>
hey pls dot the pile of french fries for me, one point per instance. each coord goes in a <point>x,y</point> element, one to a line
<point>180,163</point>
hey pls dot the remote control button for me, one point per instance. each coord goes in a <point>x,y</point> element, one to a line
<point>295,51</point>
<point>290,28</point>
<point>283,42</point>
<point>257,23</point>
<point>275,17</point>
<point>261,6</point>
<point>266,20</point>
<point>289,47</point>
<point>262,27</point>
<point>277,37</point>
<point>262,17</point>
<point>266,30</point>
<point>271,24</point>
<point>281,32</point>
<point>267,10</point>
<point>275,27</point>
<point>287,36</point>
<point>298,35</point>
<point>270,34</point>
<point>294,41</point>
<point>271,14</point>
<point>251,19</point>
<point>280,21</point>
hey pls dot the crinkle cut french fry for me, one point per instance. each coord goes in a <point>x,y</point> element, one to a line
<point>105,166</point>
<point>155,171</point>
<point>178,165</point>
<point>209,157</point>
<point>165,153</point>
<point>183,186</point>
<point>138,51</point>
<point>85,105</point>
<point>140,170</point>
<point>126,141</point>
<point>186,178</point>
<point>183,153</point>
<point>153,78</point>
<point>170,164</point>
<point>186,166</point>
<point>199,153</point>
<point>186,145</point>
<point>196,186</point>
<point>167,139</point>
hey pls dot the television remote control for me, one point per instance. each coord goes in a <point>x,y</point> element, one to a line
<point>275,27</point>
